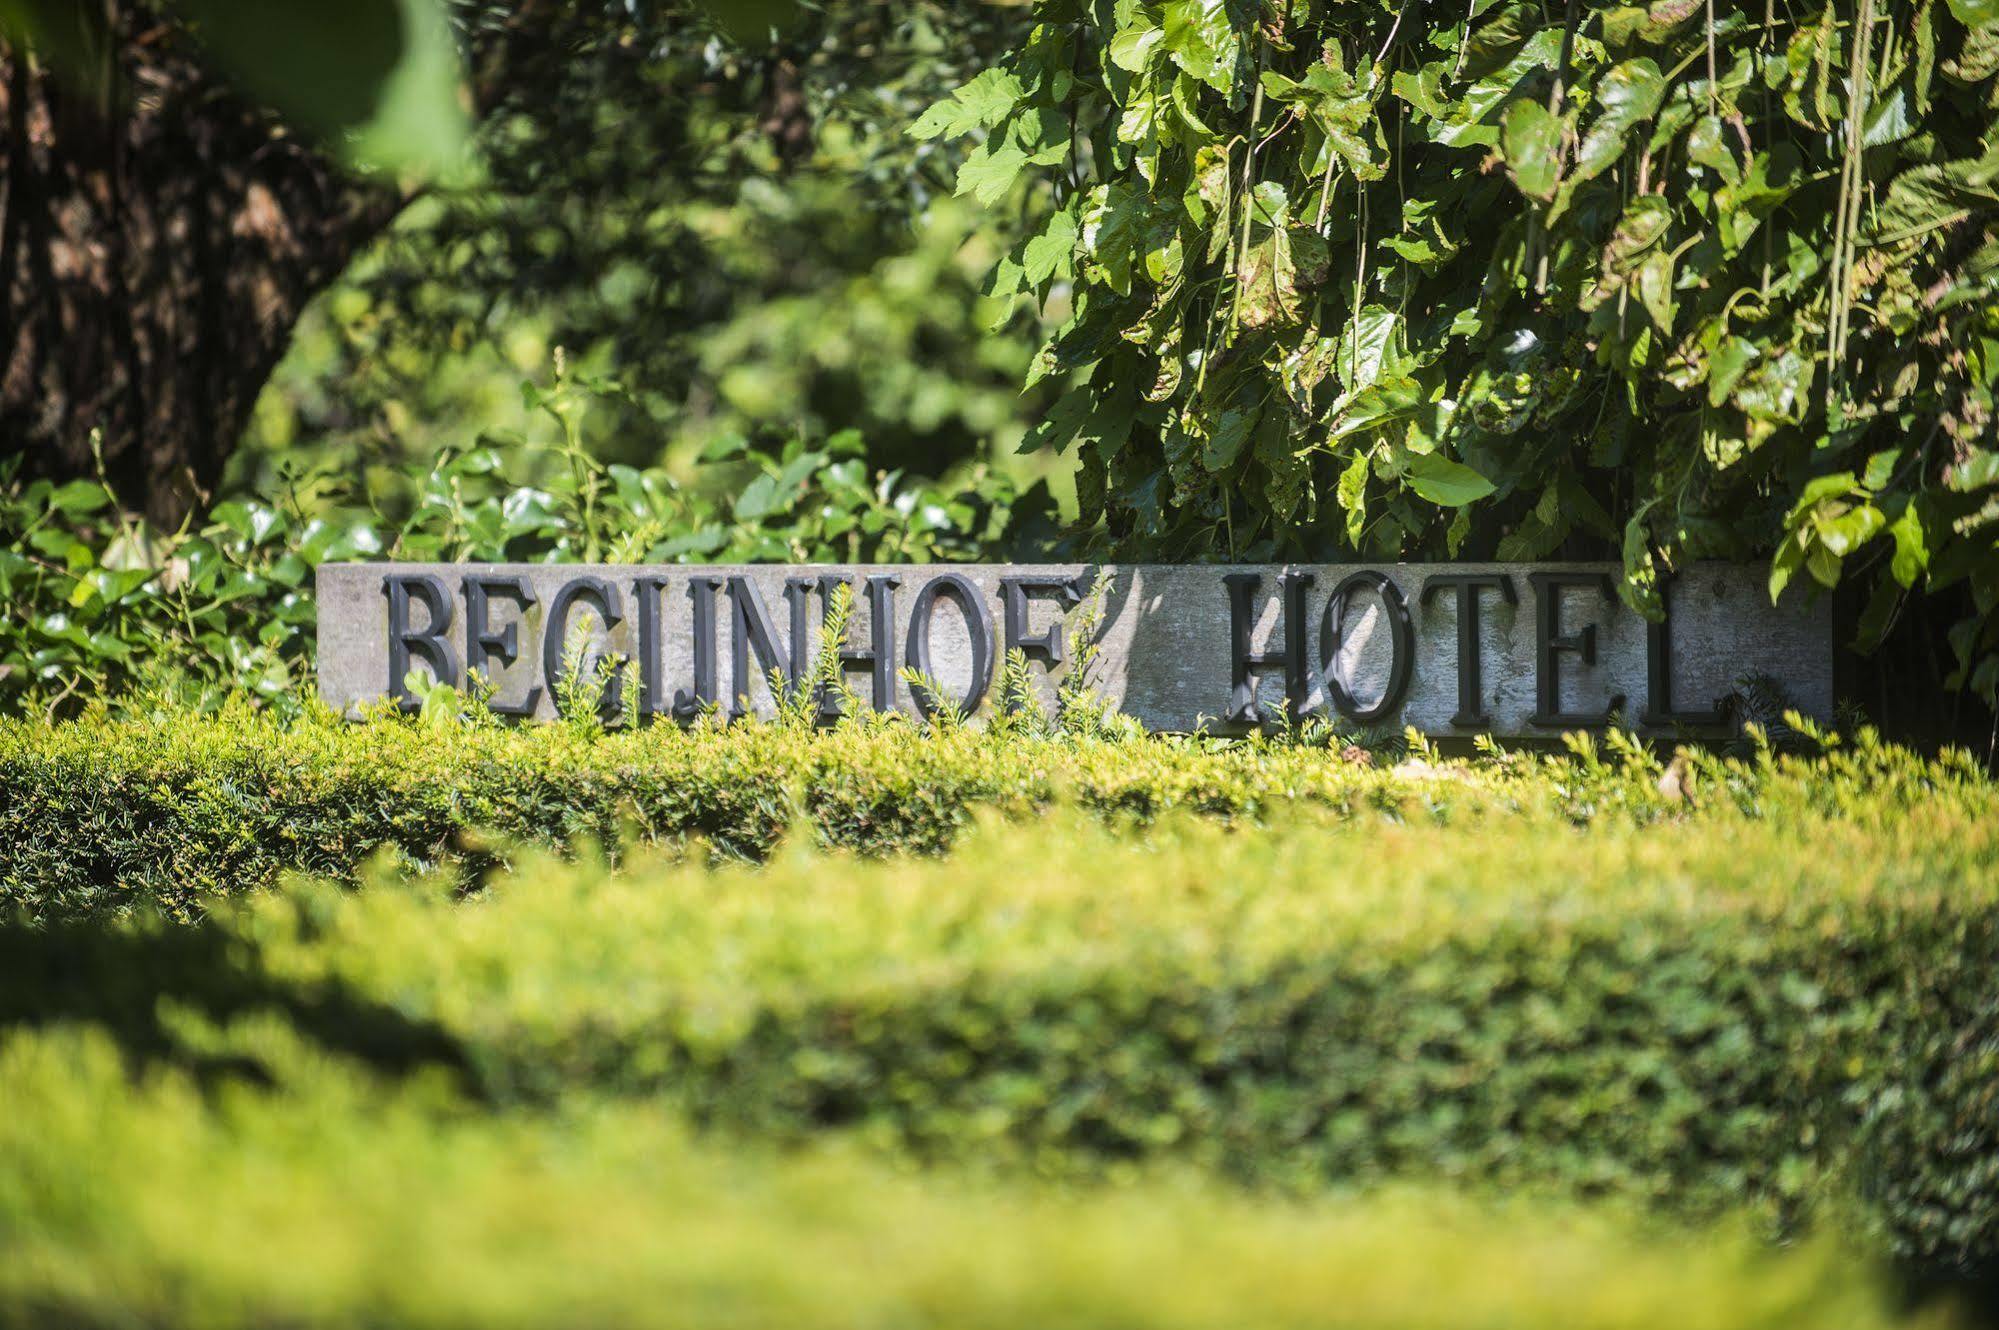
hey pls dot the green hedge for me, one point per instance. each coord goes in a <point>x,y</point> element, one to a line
<point>1728,1012</point>
<point>102,816</point>
<point>336,1203</point>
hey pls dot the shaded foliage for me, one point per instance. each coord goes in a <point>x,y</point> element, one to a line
<point>1515,280</point>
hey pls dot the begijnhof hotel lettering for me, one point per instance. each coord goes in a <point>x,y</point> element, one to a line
<point>1516,650</point>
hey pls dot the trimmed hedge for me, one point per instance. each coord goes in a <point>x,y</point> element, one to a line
<point>339,1203</point>
<point>1729,1013</point>
<point>103,816</point>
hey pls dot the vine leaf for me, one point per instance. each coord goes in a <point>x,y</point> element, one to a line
<point>1446,483</point>
<point>983,102</point>
<point>1531,139</point>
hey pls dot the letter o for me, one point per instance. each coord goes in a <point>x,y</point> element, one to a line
<point>1401,639</point>
<point>978,621</point>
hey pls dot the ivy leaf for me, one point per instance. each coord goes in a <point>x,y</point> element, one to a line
<point>1001,288</point>
<point>1655,289</point>
<point>1061,423</point>
<point>1530,138</point>
<point>1378,404</point>
<point>1446,483</point>
<point>1041,133</point>
<point>1641,227</point>
<point>1930,197</point>
<point>1726,367</point>
<point>1708,146</point>
<point>1912,551</point>
<point>1114,225</point>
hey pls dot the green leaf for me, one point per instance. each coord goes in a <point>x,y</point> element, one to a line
<point>1912,551</point>
<point>1353,497</point>
<point>990,172</point>
<point>1641,227</point>
<point>1202,41</point>
<point>1446,483</point>
<point>1115,220</point>
<point>985,101</point>
<point>1975,13</point>
<point>1626,96</point>
<point>1131,49</point>
<point>1232,429</point>
<point>759,499</point>
<point>78,497</point>
<point>1530,137</point>
<point>1048,255</point>
<point>378,78</point>
<point>1726,367</point>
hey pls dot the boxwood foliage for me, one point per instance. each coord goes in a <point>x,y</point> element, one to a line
<point>104,815</point>
<point>1507,278</point>
<point>1783,998</point>
<point>359,1205</point>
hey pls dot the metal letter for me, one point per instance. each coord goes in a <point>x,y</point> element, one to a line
<point>750,627</point>
<point>431,643</point>
<point>604,597</point>
<point>1246,666</point>
<point>1015,592</point>
<point>700,590</point>
<point>483,644</point>
<point>646,593</point>
<point>1401,641</point>
<point>880,659</point>
<point>978,619</point>
<point>1551,643</point>
<point>1471,670</point>
<point>1659,675</point>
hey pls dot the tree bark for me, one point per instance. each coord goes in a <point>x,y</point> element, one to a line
<point>158,241</point>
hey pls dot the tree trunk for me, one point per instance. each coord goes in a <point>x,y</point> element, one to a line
<point>158,242</point>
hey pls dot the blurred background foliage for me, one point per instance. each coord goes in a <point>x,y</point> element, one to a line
<point>744,241</point>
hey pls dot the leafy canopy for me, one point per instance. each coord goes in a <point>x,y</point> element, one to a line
<point>1505,279</point>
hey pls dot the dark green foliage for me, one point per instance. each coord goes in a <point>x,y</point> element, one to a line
<point>1511,280</point>
<point>97,602</point>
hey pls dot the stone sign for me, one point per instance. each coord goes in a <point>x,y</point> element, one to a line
<point>1452,649</point>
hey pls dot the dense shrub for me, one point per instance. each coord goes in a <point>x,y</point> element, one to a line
<point>1693,1017</point>
<point>341,1204</point>
<point>104,815</point>
<point>1716,1011</point>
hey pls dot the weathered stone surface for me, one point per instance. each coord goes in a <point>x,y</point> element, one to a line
<point>1557,653</point>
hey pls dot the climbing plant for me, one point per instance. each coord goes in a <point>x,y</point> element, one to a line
<point>1519,279</point>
